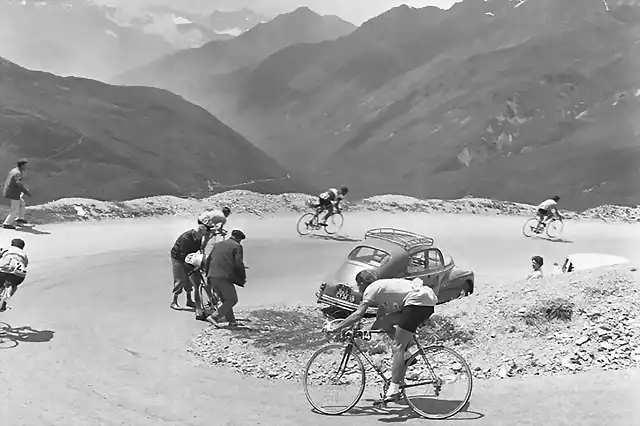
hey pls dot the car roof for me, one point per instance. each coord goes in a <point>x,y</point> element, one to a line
<point>406,240</point>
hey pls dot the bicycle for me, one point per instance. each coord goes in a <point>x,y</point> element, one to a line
<point>413,374</point>
<point>209,299</point>
<point>552,227</point>
<point>310,221</point>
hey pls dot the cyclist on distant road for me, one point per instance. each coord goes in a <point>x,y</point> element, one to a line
<point>546,210</point>
<point>403,305</point>
<point>329,200</point>
<point>13,267</point>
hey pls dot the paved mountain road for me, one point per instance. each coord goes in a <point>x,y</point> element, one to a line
<point>105,349</point>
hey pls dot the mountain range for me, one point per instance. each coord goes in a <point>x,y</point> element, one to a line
<point>182,69</point>
<point>84,138</point>
<point>91,39</point>
<point>512,99</point>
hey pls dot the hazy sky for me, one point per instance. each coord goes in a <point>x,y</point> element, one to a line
<point>356,11</point>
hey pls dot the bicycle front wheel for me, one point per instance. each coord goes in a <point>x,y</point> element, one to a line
<point>437,383</point>
<point>333,371</point>
<point>334,223</point>
<point>554,228</point>
<point>303,227</point>
<point>529,227</point>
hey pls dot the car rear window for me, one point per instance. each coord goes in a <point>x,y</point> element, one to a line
<point>370,256</point>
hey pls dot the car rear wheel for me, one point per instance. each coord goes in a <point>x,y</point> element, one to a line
<point>465,290</point>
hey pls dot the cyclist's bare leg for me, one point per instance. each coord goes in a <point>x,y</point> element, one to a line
<point>400,343</point>
<point>329,213</point>
<point>196,283</point>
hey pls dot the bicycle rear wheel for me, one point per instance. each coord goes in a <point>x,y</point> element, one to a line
<point>437,372</point>
<point>529,227</point>
<point>334,368</point>
<point>554,228</point>
<point>302,226</point>
<point>334,223</point>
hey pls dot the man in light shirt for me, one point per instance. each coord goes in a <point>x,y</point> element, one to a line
<point>536,264</point>
<point>403,305</point>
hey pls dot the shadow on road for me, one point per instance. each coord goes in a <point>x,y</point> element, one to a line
<point>554,240</point>
<point>11,337</point>
<point>561,240</point>
<point>403,413</point>
<point>340,238</point>
<point>31,230</point>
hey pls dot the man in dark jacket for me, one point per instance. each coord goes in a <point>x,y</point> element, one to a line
<point>226,269</point>
<point>191,241</point>
<point>13,190</point>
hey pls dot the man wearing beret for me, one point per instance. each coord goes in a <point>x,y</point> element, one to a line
<point>226,270</point>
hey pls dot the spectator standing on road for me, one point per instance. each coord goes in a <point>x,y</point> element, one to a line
<point>225,270</point>
<point>15,190</point>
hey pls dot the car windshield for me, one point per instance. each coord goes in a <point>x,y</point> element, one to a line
<point>370,256</point>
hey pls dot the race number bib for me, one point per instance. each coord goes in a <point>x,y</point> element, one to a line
<point>13,265</point>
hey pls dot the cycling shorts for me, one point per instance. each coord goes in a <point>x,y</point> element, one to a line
<point>411,316</point>
<point>13,280</point>
<point>543,212</point>
<point>324,202</point>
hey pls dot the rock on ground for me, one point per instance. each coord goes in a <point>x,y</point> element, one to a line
<point>559,325</point>
<point>264,205</point>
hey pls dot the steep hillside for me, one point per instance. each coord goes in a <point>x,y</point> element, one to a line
<point>177,72</point>
<point>509,99</point>
<point>84,138</point>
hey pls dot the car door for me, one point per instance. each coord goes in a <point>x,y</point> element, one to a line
<point>441,271</point>
<point>418,267</point>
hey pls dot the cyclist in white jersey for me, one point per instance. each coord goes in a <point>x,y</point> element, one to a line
<point>547,208</point>
<point>403,305</point>
<point>13,267</point>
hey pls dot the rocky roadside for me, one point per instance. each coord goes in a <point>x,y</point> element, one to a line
<point>265,205</point>
<point>561,325</point>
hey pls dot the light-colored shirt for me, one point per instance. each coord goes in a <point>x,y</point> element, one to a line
<point>14,261</point>
<point>535,275</point>
<point>393,294</point>
<point>545,205</point>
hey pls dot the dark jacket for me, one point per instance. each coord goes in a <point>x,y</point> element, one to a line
<point>186,243</point>
<point>13,186</point>
<point>226,262</point>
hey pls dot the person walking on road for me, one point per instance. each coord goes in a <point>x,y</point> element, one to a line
<point>15,190</point>
<point>225,270</point>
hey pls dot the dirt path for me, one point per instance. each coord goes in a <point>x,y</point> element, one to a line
<point>104,348</point>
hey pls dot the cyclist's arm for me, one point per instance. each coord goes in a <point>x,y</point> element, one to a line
<point>355,317</point>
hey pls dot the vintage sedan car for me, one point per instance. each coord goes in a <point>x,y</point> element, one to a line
<point>395,253</point>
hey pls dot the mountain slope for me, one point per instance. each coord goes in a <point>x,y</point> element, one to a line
<point>178,71</point>
<point>89,139</point>
<point>493,98</point>
<point>74,37</point>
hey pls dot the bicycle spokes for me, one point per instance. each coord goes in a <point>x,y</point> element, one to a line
<point>438,384</point>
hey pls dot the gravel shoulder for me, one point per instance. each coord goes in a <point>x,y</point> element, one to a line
<point>265,205</point>
<point>559,325</point>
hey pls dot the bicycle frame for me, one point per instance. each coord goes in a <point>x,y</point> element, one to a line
<point>366,335</point>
